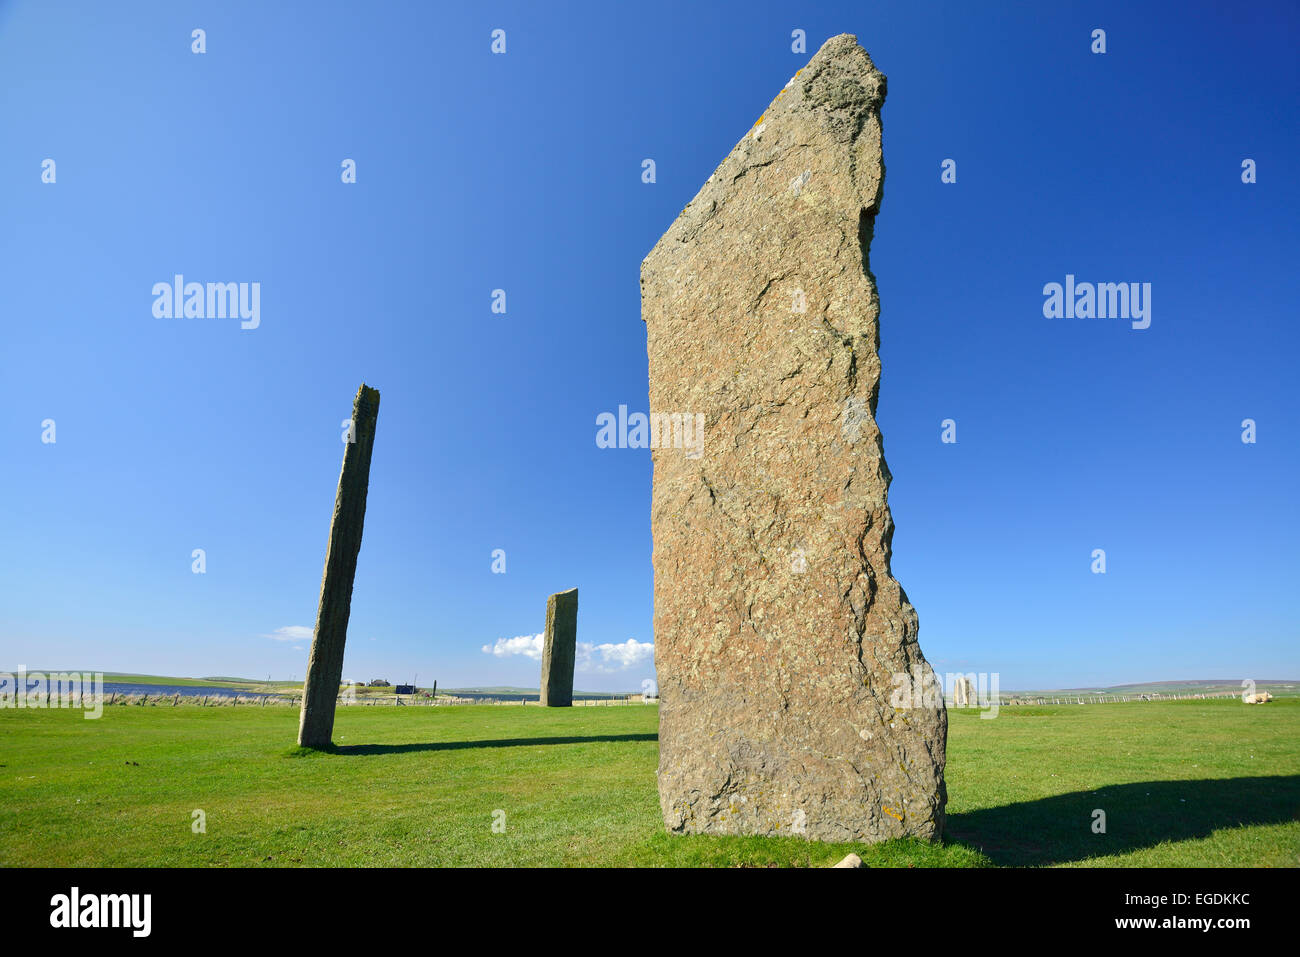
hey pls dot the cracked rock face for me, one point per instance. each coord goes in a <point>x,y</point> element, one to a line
<point>794,698</point>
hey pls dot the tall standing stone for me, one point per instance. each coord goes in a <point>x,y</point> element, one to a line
<point>560,649</point>
<point>794,698</point>
<point>325,666</point>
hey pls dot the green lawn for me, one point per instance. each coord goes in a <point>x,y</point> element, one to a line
<point>1181,783</point>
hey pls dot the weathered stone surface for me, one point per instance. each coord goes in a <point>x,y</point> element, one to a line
<point>560,649</point>
<point>325,665</point>
<point>779,628</point>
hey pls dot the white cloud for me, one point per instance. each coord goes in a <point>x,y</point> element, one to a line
<point>290,633</point>
<point>610,658</point>
<point>530,646</point>
<point>598,659</point>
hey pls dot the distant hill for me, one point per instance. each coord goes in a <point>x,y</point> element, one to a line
<point>225,681</point>
<point>1277,686</point>
<point>1190,686</point>
<point>126,677</point>
<point>504,690</point>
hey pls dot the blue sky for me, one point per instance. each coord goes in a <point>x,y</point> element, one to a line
<point>522,172</point>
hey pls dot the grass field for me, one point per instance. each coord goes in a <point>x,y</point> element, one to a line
<point>1181,783</point>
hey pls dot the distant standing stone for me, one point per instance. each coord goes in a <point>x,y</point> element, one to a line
<point>325,665</point>
<point>560,649</point>
<point>963,693</point>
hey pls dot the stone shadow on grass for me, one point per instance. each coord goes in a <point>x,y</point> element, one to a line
<point>354,749</point>
<point>1058,829</point>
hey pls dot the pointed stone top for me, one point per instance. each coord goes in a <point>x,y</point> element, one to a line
<point>840,81</point>
<point>824,108</point>
<point>840,45</point>
<point>366,401</point>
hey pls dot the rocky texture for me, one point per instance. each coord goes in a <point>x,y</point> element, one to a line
<point>779,629</point>
<point>560,649</point>
<point>325,666</point>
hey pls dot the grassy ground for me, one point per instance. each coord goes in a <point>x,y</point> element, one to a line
<point>1181,783</point>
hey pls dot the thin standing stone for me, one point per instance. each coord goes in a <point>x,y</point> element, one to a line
<point>325,666</point>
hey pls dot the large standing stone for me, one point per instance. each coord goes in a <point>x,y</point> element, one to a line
<point>325,666</point>
<point>788,666</point>
<point>560,649</point>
